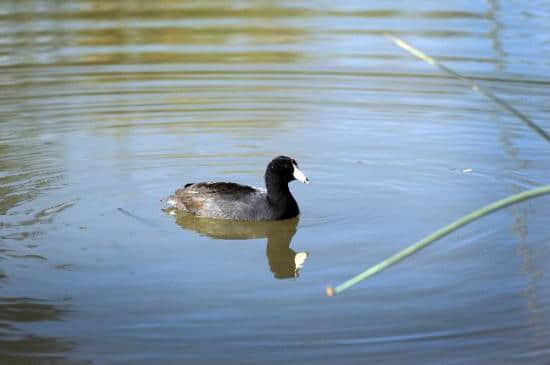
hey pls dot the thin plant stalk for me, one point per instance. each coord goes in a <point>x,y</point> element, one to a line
<point>484,91</point>
<point>513,199</point>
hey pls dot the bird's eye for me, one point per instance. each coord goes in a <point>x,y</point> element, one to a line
<point>294,162</point>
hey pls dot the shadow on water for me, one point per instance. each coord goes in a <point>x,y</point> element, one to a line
<point>283,261</point>
<point>18,346</point>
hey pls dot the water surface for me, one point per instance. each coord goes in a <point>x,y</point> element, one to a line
<point>107,107</point>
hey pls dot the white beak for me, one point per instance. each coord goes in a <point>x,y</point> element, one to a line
<point>300,259</point>
<point>299,175</point>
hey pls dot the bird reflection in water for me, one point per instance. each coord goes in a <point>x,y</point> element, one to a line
<point>284,262</point>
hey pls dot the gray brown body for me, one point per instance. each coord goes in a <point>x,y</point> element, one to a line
<point>226,200</point>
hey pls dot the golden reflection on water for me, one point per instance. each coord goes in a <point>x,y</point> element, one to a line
<point>19,347</point>
<point>138,32</point>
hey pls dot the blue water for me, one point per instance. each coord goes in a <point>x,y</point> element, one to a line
<point>106,108</point>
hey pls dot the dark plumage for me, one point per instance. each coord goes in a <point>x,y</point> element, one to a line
<point>227,200</point>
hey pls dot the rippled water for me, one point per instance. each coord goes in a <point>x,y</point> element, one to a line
<point>107,107</point>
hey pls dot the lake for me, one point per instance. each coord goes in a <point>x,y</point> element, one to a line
<point>107,107</point>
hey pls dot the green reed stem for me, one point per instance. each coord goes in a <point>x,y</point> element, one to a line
<point>484,91</point>
<point>439,234</point>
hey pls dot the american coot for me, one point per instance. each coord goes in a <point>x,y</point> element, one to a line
<point>226,200</point>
